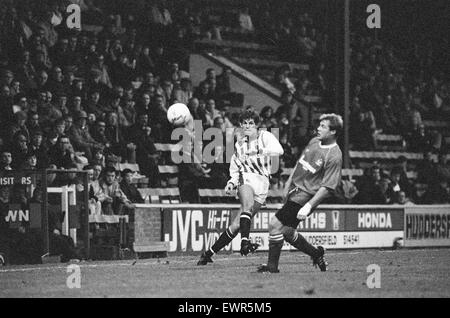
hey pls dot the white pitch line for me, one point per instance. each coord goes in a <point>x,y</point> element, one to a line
<point>146,262</point>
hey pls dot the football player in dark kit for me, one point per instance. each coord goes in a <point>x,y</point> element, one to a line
<point>315,176</point>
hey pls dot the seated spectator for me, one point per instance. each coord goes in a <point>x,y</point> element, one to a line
<point>440,192</point>
<point>115,138</point>
<point>80,136</point>
<point>401,198</point>
<point>5,161</point>
<point>18,127</point>
<point>75,105</point>
<point>397,185</point>
<point>421,139</point>
<point>30,161</point>
<point>62,153</point>
<point>56,84</point>
<point>128,188</point>
<point>98,158</point>
<point>372,188</point>
<point>115,200</point>
<point>96,195</point>
<point>101,67</point>
<point>99,134</point>
<point>212,112</point>
<point>129,111</point>
<point>19,151</point>
<point>203,91</point>
<point>93,106</point>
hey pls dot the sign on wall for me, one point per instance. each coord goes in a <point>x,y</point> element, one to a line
<point>196,229</point>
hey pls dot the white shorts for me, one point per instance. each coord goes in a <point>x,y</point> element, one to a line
<point>259,184</point>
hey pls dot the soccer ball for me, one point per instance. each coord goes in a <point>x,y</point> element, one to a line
<point>178,114</point>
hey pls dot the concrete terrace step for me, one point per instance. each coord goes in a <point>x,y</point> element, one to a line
<point>237,45</point>
<point>270,64</point>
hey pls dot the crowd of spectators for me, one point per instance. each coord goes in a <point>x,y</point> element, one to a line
<point>71,98</point>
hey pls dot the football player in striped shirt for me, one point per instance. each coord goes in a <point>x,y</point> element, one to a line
<point>250,170</point>
<point>315,176</point>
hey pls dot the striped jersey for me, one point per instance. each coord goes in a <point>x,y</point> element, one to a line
<point>254,156</point>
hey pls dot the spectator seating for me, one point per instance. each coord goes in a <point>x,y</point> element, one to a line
<point>389,142</point>
<point>165,151</point>
<point>160,195</point>
<point>140,180</point>
<point>169,175</point>
<point>215,196</point>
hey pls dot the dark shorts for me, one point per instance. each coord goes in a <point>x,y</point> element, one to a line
<point>287,215</point>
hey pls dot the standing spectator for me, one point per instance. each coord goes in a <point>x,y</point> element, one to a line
<point>442,167</point>
<point>267,118</point>
<point>145,62</point>
<point>362,127</point>
<point>386,118</point>
<point>146,154</point>
<point>245,21</point>
<point>159,123</point>
<point>426,169</point>
<point>297,116</point>
<point>183,93</point>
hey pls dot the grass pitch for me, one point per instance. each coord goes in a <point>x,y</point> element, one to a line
<point>404,273</point>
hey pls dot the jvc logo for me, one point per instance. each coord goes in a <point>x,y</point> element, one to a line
<point>18,215</point>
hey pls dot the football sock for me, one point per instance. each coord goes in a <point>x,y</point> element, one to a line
<point>225,238</point>
<point>244,224</point>
<point>275,245</point>
<point>300,243</point>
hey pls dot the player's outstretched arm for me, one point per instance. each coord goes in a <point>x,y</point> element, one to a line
<point>272,146</point>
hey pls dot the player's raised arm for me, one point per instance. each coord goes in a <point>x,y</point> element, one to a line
<point>272,146</point>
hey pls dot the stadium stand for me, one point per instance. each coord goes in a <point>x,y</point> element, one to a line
<point>121,66</point>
